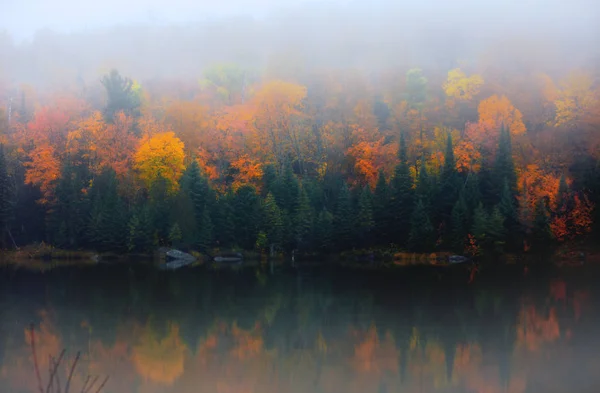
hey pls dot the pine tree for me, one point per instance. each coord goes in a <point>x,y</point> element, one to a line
<point>67,220</point>
<point>246,216</point>
<point>488,229</point>
<point>324,231</point>
<point>504,167</point>
<point>205,234</point>
<point>496,231</point>
<point>541,233</point>
<point>364,218</point>
<point>175,235</point>
<point>160,207</point>
<point>273,223</point>
<point>224,220</point>
<point>269,180</point>
<point>459,224</point>
<point>344,222</point>
<point>508,209</point>
<point>450,186</point>
<point>381,210</point>
<point>7,200</point>
<point>422,234</point>
<point>303,221</point>
<point>107,227</point>
<point>402,189</point>
<point>287,190</point>
<point>424,188</point>
<point>140,237</point>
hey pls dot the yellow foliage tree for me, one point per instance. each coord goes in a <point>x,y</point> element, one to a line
<point>495,111</point>
<point>161,156</point>
<point>462,87</point>
<point>576,100</point>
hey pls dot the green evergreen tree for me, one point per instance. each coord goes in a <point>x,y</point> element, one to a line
<point>67,217</point>
<point>364,218</point>
<point>324,231</point>
<point>107,228</point>
<point>303,221</point>
<point>450,185</point>
<point>246,216</point>
<point>508,209</point>
<point>504,167</point>
<point>140,228</point>
<point>422,234</point>
<point>121,95</point>
<point>160,207</point>
<point>224,221</point>
<point>381,210</point>
<point>460,224</point>
<point>344,221</point>
<point>402,189</point>
<point>7,200</point>
<point>424,187</point>
<point>175,235</point>
<point>488,229</point>
<point>206,232</point>
<point>273,223</point>
<point>269,180</point>
<point>541,233</point>
<point>287,190</point>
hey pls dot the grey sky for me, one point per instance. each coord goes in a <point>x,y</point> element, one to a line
<point>21,18</point>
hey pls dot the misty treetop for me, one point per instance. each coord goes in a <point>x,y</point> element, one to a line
<point>239,161</point>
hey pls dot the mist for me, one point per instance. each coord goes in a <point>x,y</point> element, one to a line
<point>67,42</point>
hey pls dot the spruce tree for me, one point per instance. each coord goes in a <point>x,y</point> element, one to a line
<point>422,234</point>
<point>141,235</point>
<point>460,224</point>
<point>344,221</point>
<point>508,209</point>
<point>324,231</point>
<point>364,218</point>
<point>402,199</point>
<point>450,186</point>
<point>541,233</point>
<point>160,208</point>
<point>246,216</point>
<point>424,187</point>
<point>303,221</point>
<point>504,167</point>
<point>224,222</point>
<point>381,210</point>
<point>67,218</point>
<point>472,195</point>
<point>287,190</point>
<point>205,233</point>
<point>273,223</point>
<point>269,180</point>
<point>107,230</point>
<point>496,231</point>
<point>175,235</point>
<point>7,200</point>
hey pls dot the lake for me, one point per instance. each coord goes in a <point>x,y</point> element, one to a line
<point>306,329</point>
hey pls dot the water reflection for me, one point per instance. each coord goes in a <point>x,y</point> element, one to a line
<point>303,331</point>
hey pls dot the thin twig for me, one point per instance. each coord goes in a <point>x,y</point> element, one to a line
<point>50,367</point>
<point>56,365</point>
<point>35,363</point>
<point>87,380</point>
<point>53,370</point>
<point>91,385</point>
<point>102,385</point>
<point>71,372</point>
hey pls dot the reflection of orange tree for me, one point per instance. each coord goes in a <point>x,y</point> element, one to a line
<point>160,360</point>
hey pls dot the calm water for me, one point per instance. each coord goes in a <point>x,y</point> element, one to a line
<point>306,330</point>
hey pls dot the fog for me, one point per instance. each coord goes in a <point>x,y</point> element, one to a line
<point>64,42</point>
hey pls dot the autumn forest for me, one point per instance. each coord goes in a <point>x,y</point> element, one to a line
<point>478,156</point>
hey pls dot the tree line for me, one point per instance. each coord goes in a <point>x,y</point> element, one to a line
<point>273,168</point>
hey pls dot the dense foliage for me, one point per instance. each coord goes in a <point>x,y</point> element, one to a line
<point>330,165</point>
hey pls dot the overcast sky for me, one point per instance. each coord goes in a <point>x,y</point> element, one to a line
<point>21,18</point>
